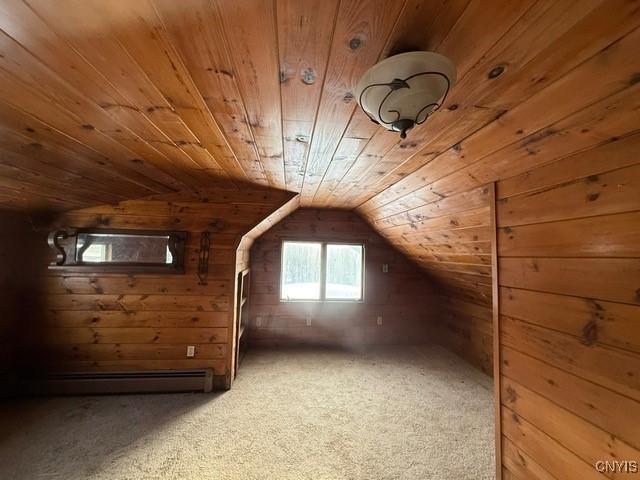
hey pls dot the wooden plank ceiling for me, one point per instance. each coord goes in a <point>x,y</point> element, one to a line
<point>102,101</point>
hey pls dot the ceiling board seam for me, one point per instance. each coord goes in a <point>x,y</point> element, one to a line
<point>322,88</point>
<point>583,107</point>
<point>332,156</point>
<point>496,42</point>
<point>418,168</point>
<point>367,170</point>
<point>394,246</point>
<point>36,178</point>
<point>445,37</point>
<point>151,163</point>
<point>422,242</point>
<point>439,262</point>
<point>198,94</point>
<point>76,52</point>
<point>71,114</point>
<point>242,94</point>
<point>282,130</point>
<point>154,86</point>
<point>88,147</point>
<point>556,159</point>
<point>77,176</point>
<point>382,50</point>
<point>373,136</point>
<point>225,40</point>
<point>381,158</point>
<point>105,79</point>
<point>426,219</point>
<point>425,203</point>
<point>460,80</point>
<point>30,194</point>
<point>509,145</point>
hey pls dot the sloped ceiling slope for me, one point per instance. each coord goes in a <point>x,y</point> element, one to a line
<point>106,101</point>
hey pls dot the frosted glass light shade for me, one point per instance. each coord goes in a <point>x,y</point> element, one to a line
<point>401,91</point>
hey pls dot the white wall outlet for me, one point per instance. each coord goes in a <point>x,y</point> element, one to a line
<point>379,321</point>
<point>258,321</point>
<point>308,321</point>
<point>191,351</point>
<point>385,268</point>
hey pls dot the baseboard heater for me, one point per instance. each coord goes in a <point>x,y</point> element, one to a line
<point>122,382</point>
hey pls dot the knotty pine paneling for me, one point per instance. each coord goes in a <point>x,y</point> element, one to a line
<point>569,276</point>
<point>122,100</point>
<point>118,322</point>
<point>403,297</point>
<point>451,240</point>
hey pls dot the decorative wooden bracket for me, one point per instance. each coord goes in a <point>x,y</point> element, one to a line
<point>54,242</point>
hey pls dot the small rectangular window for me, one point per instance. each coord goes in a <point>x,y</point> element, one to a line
<point>119,248</point>
<point>321,271</point>
<point>124,251</point>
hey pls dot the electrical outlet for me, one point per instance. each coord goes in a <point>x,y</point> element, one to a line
<point>191,351</point>
<point>385,268</point>
<point>258,321</point>
<point>308,321</point>
<point>379,320</point>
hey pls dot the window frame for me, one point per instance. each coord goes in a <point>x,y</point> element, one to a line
<point>323,271</point>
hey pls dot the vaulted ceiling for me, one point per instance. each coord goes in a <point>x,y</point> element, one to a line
<point>102,101</point>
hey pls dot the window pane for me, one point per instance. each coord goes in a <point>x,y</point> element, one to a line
<point>301,266</point>
<point>344,272</point>
<point>95,253</point>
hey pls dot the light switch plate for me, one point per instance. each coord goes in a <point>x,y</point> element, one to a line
<point>308,321</point>
<point>379,320</point>
<point>385,268</point>
<point>191,351</point>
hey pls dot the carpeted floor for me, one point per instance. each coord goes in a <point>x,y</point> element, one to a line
<point>413,413</point>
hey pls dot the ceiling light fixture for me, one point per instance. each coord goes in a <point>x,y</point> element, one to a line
<point>402,91</point>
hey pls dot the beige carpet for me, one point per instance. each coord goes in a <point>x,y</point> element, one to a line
<point>412,413</point>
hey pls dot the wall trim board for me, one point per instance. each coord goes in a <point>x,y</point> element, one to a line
<point>495,294</point>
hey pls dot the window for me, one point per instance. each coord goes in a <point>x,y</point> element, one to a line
<point>343,272</point>
<point>95,253</point>
<point>97,247</point>
<point>301,271</point>
<point>321,271</point>
<point>127,251</point>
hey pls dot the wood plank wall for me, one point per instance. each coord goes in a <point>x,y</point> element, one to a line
<point>117,322</point>
<point>569,277</point>
<point>21,256</point>
<point>403,296</point>
<point>451,240</point>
